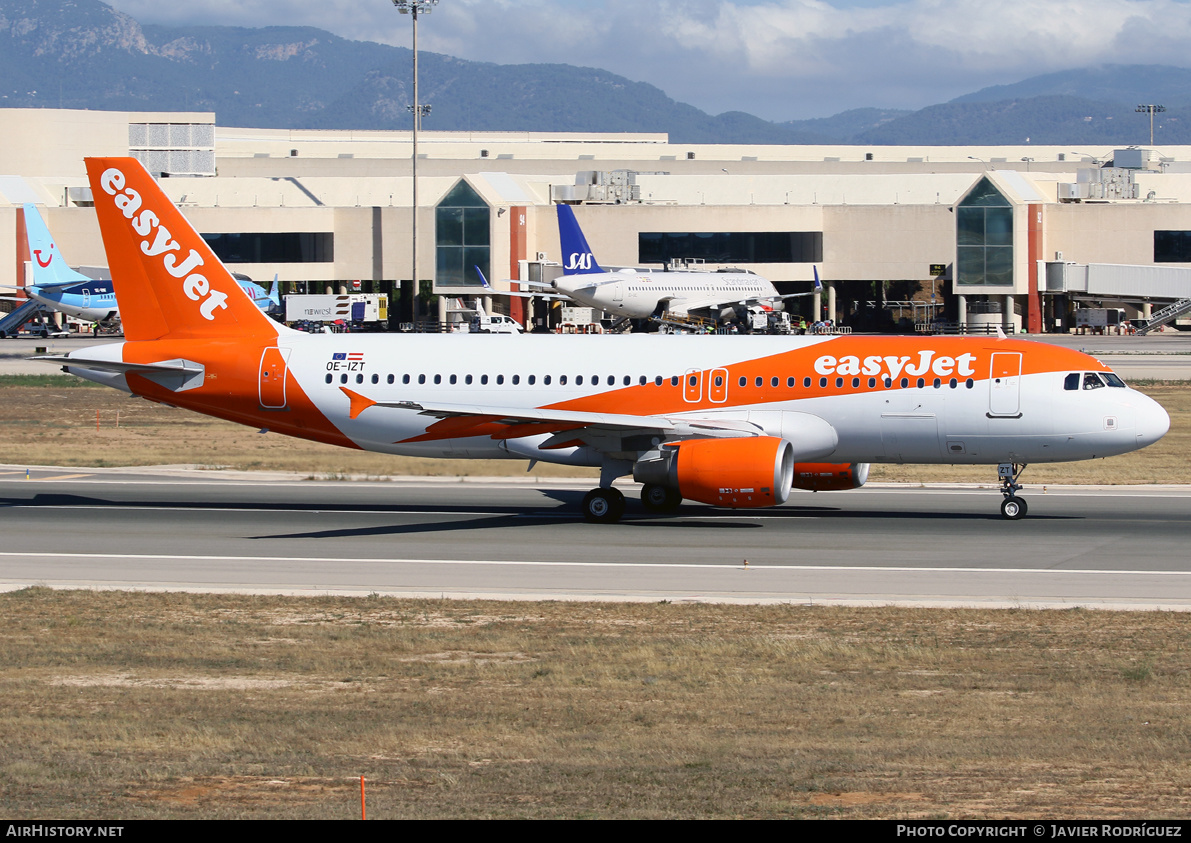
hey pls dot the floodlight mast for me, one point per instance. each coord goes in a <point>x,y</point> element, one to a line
<point>1142,109</point>
<point>413,8</point>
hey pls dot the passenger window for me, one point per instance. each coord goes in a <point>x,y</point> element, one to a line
<point>888,383</point>
<point>789,383</point>
<point>579,380</point>
<point>657,381</point>
<point>773,381</point>
<point>905,382</point>
<point>453,380</point>
<point>839,382</point>
<point>467,380</point>
<point>516,380</point>
<point>329,377</point>
<point>483,380</point>
<point>872,382</point>
<point>1071,381</point>
<point>822,383</point>
<point>627,380</point>
<point>641,382</point>
<point>562,380</point>
<point>532,379</point>
<point>391,379</point>
<point>954,383</point>
<point>546,380</point>
<point>674,380</point>
<point>1092,381</point>
<point>343,378</point>
<point>921,382</point>
<point>744,381</point>
<point>359,378</point>
<point>500,379</point>
<point>806,383</point>
<point>437,379</point>
<point>719,380</point>
<point>760,381</point>
<point>405,378</point>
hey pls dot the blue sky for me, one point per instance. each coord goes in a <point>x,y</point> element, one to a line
<point>778,59</point>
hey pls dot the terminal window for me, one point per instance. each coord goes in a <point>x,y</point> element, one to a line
<point>984,238</point>
<point>273,247</point>
<point>462,241</point>
<point>731,246</point>
<point>1172,247</point>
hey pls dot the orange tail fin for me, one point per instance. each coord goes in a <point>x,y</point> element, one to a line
<point>168,282</point>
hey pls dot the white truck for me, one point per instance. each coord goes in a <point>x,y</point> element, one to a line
<point>353,307</point>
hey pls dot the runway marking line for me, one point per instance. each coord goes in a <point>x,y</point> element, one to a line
<point>869,569</point>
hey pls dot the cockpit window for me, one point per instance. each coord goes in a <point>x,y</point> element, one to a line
<point>1071,381</point>
<point>1113,380</point>
<point>1091,380</point>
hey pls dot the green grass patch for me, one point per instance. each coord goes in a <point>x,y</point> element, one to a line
<point>55,381</point>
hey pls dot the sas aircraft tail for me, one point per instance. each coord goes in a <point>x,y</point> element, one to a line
<point>168,282</point>
<point>577,256</point>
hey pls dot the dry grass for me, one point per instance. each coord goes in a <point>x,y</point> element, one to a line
<point>123,705</point>
<point>54,423</point>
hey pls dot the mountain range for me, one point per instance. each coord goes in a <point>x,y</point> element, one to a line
<point>85,54</point>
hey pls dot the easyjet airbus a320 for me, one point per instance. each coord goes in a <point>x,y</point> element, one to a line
<point>728,421</point>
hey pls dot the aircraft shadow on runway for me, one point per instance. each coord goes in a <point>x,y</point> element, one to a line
<point>459,517</point>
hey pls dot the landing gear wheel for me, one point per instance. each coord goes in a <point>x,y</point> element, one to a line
<point>603,506</point>
<point>660,498</point>
<point>1013,508</point>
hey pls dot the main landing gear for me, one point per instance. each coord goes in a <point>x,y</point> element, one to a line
<point>606,505</point>
<point>660,498</point>
<point>603,505</point>
<point>1012,507</point>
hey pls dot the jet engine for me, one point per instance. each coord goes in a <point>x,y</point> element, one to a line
<point>755,471</point>
<point>829,477</point>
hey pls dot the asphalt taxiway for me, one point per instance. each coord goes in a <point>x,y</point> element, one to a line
<point>1117,547</point>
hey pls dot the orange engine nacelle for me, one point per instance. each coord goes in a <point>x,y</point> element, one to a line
<point>753,472</point>
<point>829,477</point>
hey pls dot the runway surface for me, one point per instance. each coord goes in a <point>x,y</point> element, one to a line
<point>1104,547</point>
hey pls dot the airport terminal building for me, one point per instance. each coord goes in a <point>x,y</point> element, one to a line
<point>1016,237</point>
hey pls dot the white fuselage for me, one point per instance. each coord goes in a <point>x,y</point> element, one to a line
<point>637,293</point>
<point>888,399</point>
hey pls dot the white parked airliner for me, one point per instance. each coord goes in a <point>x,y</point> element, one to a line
<point>735,422</point>
<point>644,293</point>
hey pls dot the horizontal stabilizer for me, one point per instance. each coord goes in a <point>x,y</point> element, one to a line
<point>177,375</point>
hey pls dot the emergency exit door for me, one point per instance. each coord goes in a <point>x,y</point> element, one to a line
<point>1004,384</point>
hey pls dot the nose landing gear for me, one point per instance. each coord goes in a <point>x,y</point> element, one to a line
<point>1013,507</point>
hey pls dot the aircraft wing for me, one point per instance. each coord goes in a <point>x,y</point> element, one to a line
<point>594,424</point>
<point>484,283</point>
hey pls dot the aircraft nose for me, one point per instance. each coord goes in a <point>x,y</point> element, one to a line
<point>1152,422</point>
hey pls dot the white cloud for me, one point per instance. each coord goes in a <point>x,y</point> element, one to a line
<point>779,59</point>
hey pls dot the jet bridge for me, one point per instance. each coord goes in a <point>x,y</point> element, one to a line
<point>1137,285</point>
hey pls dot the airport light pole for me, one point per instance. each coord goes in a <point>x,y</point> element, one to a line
<point>413,8</point>
<point>1142,109</point>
